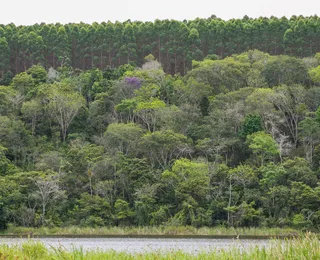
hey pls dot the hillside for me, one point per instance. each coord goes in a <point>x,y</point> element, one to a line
<point>234,142</point>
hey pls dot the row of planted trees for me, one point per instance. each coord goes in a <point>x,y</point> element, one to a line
<point>234,142</point>
<point>175,44</point>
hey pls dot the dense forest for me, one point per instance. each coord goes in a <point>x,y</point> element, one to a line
<point>97,131</point>
<point>174,44</point>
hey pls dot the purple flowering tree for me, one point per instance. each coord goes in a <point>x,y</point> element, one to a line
<point>133,81</point>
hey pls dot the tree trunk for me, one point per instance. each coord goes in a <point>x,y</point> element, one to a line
<point>230,198</point>
<point>159,49</point>
<point>43,213</point>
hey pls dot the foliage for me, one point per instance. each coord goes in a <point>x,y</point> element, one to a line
<point>263,145</point>
<point>91,136</point>
<point>106,45</point>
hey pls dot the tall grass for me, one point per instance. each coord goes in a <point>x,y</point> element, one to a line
<point>302,248</point>
<point>159,230</point>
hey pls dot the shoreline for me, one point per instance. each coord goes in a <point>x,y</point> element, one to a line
<point>227,237</point>
<point>154,232</point>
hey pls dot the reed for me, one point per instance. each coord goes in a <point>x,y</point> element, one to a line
<point>158,230</point>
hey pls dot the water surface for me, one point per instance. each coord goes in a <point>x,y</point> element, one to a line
<point>133,245</point>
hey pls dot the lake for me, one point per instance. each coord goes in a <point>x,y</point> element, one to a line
<point>133,245</point>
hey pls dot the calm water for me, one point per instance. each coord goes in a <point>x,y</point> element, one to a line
<point>132,245</point>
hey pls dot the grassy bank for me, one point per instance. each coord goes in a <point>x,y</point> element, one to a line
<point>156,231</point>
<point>303,248</point>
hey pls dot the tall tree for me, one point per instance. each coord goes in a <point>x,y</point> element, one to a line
<point>64,106</point>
